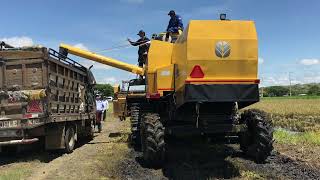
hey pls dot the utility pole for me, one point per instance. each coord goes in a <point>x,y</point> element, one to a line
<point>261,86</point>
<point>290,83</point>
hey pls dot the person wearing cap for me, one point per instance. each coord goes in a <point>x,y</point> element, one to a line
<point>143,44</point>
<point>105,108</point>
<point>99,110</point>
<point>175,23</point>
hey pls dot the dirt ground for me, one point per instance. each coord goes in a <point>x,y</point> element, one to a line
<point>109,156</point>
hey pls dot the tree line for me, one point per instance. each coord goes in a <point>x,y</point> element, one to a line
<point>104,90</point>
<point>272,91</point>
<point>296,90</point>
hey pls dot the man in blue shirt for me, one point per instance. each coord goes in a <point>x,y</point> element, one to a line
<point>175,23</point>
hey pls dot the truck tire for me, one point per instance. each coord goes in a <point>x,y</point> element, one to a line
<point>69,139</point>
<point>91,132</point>
<point>152,140</point>
<point>135,120</point>
<point>257,141</point>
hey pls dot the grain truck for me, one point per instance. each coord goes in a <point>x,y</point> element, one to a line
<point>44,98</point>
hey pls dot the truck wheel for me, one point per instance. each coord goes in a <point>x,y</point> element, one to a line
<point>69,140</point>
<point>257,141</point>
<point>152,140</point>
<point>91,132</point>
<point>135,125</point>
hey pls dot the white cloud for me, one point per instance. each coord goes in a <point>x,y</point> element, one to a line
<point>133,1</point>
<point>260,60</point>
<point>315,78</point>
<point>283,79</point>
<point>18,41</point>
<point>275,80</point>
<point>81,46</point>
<point>108,80</point>
<point>309,62</point>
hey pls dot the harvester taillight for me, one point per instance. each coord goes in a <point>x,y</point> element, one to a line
<point>196,72</point>
<point>153,96</point>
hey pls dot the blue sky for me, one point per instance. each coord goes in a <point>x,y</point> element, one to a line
<point>288,31</point>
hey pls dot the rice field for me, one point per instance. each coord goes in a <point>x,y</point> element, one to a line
<point>292,113</point>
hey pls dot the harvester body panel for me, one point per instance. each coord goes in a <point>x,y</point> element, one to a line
<point>226,52</point>
<point>159,57</point>
<point>165,79</point>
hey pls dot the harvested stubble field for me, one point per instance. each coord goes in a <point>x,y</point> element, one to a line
<point>293,114</point>
<point>297,124</point>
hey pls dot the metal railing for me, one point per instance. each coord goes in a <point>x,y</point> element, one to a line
<point>64,59</point>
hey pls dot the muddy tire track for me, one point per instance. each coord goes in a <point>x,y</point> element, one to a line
<point>214,162</point>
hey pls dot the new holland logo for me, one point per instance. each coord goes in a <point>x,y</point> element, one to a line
<point>223,49</point>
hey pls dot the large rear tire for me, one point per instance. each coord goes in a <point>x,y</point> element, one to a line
<point>69,139</point>
<point>257,141</point>
<point>152,138</point>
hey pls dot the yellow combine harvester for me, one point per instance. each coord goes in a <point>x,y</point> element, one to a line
<point>195,86</point>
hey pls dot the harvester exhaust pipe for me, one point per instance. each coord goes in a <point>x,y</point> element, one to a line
<point>101,59</point>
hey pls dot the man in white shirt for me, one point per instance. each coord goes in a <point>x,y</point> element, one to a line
<point>106,108</point>
<point>99,112</point>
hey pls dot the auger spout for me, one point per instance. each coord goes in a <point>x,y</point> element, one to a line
<point>103,59</point>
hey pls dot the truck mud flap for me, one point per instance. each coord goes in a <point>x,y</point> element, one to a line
<point>54,138</point>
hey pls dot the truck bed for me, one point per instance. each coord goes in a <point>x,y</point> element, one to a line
<point>38,86</point>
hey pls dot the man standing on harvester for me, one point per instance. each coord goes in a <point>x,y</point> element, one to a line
<point>175,23</point>
<point>143,44</point>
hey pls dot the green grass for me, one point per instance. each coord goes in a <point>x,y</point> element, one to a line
<point>15,174</point>
<point>291,97</point>
<point>306,138</point>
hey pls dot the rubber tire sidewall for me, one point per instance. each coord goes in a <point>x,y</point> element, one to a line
<point>249,141</point>
<point>156,157</point>
<point>70,134</point>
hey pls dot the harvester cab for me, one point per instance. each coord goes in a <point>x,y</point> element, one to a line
<point>195,86</point>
